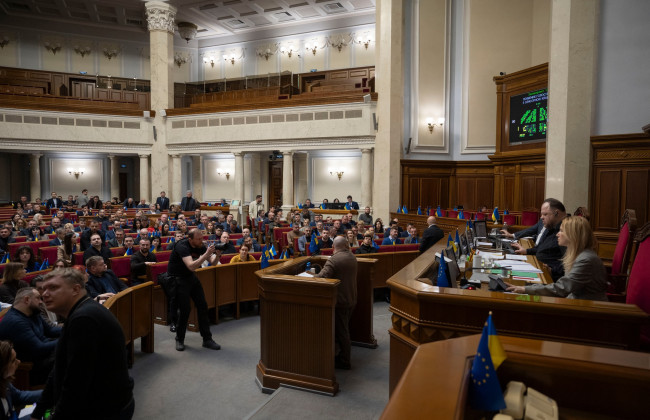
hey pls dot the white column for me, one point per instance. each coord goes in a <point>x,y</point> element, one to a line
<point>176,194</point>
<point>115,178</point>
<point>239,185</point>
<point>35,175</point>
<point>144,178</point>
<point>287,181</point>
<point>301,177</point>
<point>571,72</point>
<point>390,108</point>
<point>197,177</point>
<point>160,22</point>
<point>366,178</point>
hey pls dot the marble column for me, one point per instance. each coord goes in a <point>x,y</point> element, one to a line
<point>239,185</point>
<point>287,181</point>
<point>301,177</point>
<point>574,30</point>
<point>390,109</point>
<point>35,175</point>
<point>115,177</point>
<point>176,195</point>
<point>144,178</point>
<point>197,177</point>
<point>366,178</point>
<point>160,22</point>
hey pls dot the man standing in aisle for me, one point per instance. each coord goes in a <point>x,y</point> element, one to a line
<point>189,203</point>
<point>187,256</point>
<point>162,202</point>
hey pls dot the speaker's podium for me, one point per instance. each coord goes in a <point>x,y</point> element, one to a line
<point>297,324</point>
<point>586,382</point>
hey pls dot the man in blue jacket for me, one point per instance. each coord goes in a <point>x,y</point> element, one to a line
<point>34,340</point>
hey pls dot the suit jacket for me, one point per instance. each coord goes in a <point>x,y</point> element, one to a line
<point>189,204</point>
<point>138,266</point>
<point>587,279</point>
<point>112,243</point>
<point>530,231</point>
<point>389,241</point>
<point>163,202</point>
<point>342,266</point>
<point>18,398</point>
<point>354,205</point>
<point>84,238</point>
<point>53,203</point>
<point>56,242</point>
<point>106,282</point>
<point>430,236</point>
<point>104,252</point>
<point>549,252</point>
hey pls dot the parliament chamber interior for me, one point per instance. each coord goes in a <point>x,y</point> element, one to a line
<point>387,122</point>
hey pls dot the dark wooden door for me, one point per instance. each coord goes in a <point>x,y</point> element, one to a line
<point>82,89</point>
<point>123,186</point>
<point>275,183</point>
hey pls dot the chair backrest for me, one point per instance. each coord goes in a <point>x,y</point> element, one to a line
<point>156,269</point>
<point>624,243</point>
<point>510,219</point>
<point>225,258</point>
<point>48,253</point>
<point>121,266</point>
<point>529,218</point>
<point>452,213</point>
<point>20,239</point>
<point>78,258</point>
<point>163,255</point>
<point>638,286</point>
<point>479,216</point>
<point>29,276</point>
<point>407,247</point>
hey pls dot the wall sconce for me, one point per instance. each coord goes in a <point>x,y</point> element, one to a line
<point>82,51</point>
<point>288,52</point>
<point>431,124</point>
<point>230,58</point>
<point>366,42</point>
<point>180,59</point>
<point>4,41</point>
<point>53,48</point>
<point>210,60</point>
<point>110,53</point>
<point>311,47</point>
<point>76,172</point>
<point>266,54</point>
<point>221,171</point>
<point>336,171</point>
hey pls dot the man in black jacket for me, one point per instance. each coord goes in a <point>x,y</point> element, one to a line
<point>140,260</point>
<point>188,203</point>
<point>102,282</point>
<point>431,235</point>
<point>98,249</point>
<point>90,377</point>
<point>84,239</point>
<point>162,202</point>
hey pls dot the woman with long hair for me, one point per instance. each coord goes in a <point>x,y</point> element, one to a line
<point>69,247</point>
<point>14,220</point>
<point>211,231</point>
<point>20,225</point>
<point>25,256</point>
<point>352,238</point>
<point>379,226</point>
<point>585,276</point>
<point>164,230</point>
<point>242,256</point>
<point>156,244</point>
<point>36,234</point>
<point>10,396</point>
<point>38,218</point>
<point>69,227</point>
<point>137,225</point>
<point>12,280</point>
<point>60,263</point>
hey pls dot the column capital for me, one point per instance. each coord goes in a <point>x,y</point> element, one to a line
<point>160,16</point>
<point>239,153</point>
<point>143,156</point>
<point>366,149</point>
<point>37,155</point>
<point>175,156</point>
<point>287,152</point>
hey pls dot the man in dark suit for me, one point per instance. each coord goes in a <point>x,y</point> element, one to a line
<point>188,203</point>
<point>84,239</point>
<point>342,265</point>
<point>60,234</point>
<point>431,235</point>
<point>353,204</point>
<point>53,202</point>
<point>536,231</point>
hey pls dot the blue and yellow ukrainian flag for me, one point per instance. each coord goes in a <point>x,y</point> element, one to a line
<point>438,212</point>
<point>128,252</point>
<point>495,214</point>
<point>405,210</point>
<point>461,215</point>
<point>485,392</point>
<point>264,261</point>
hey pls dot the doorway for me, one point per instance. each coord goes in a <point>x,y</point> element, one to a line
<point>275,183</point>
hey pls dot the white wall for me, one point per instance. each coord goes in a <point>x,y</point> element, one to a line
<point>216,187</point>
<point>622,91</point>
<point>323,185</point>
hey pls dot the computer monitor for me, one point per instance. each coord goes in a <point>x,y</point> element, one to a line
<point>336,206</point>
<point>480,229</point>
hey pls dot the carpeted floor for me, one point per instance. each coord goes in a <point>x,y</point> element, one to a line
<point>205,384</point>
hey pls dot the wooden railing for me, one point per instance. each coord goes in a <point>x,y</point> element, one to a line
<point>67,104</point>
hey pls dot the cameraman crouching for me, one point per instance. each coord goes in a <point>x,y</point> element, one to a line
<point>186,257</point>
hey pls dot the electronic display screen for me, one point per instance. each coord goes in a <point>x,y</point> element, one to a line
<point>528,116</point>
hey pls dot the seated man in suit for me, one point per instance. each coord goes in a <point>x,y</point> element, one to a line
<point>431,234</point>
<point>246,232</point>
<point>70,204</point>
<point>413,236</point>
<point>102,282</point>
<point>5,239</point>
<point>547,249</point>
<point>252,245</point>
<point>142,204</point>
<point>118,239</point>
<point>60,234</point>
<point>293,234</point>
<point>84,239</point>
<point>352,204</point>
<point>162,202</point>
<point>34,339</point>
<point>61,215</point>
<point>536,231</point>
<point>338,228</point>
<point>229,248</point>
<point>233,228</point>
<point>393,238</point>
<point>97,249</point>
<point>54,225</point>
<point>309,204</point>
<point>140,260</point>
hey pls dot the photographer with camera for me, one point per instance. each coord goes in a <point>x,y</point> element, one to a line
<point>187,256</point>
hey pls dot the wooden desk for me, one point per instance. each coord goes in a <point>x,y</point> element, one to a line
<point>447,224</point>
<point>612,383</point>
<point>297,324</point>
<point>424,313</point>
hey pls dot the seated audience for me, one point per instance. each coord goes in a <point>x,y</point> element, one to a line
<point>12,399</point>
<point>5,240</point>
<point>252,245</point>
<point>97,249</point>
<point>84,239</point>
<point>233,228</point>
<point>337,228</point>
<point>12,281</point>
<point>293,234</point>
<point>412,238</point>
<point>177,237</point>
<point>129,243</point>
<point>229,248</point>
<point>60,234</point>
<point>25,256</point>
<point>367,246</point>
<point>140,260</point>
<point>393,238</point>
<point>59,263</point>
<point>69,228</point>
<point>102,283</point>
<point>246,232</point>
<point>143,204</point>
<point>64,252</point>
<point>36,234</point>
<point>34,340</point>
<point>242,256</point>
<point>37,283</point>
<point>323,242</point>
<point>366,217</point>
<point>585,276</point>
<point>304,240</point>
<point>379,226</point>
<point>352,204</point>
<point>118,238</point>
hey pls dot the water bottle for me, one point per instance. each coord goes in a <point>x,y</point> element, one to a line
<point>308,266</point>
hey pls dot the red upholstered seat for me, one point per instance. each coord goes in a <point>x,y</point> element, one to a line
<point>163,255</point>
<point>225,259</point>
<point>20,238</point>
<point>156,270</point>
<point>510,219</point>
<point>386,248</point>
<point>618,277</point>
<point>638,288</point>
<point>452,214</point>
<point>256,255</point>
<point>121,266</point>
<point>327,251</point>
<point>481,216</point>
<point>407,247</point>
<point>529,218</point>
<point>30,276</point>
<point>621,245</point>
<point>78,258</point>
<point>48,253</point>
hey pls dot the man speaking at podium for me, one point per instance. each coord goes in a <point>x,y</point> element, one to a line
<point>342,265</point>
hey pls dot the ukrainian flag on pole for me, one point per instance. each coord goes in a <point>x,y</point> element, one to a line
<point>485,392</point>
<point>495,214</point>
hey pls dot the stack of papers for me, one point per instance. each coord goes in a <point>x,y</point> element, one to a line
<point>490,255</point>
<point>515,265</point>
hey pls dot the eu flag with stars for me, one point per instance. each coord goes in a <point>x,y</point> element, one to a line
<point>419,211</point>
<point>442,281</point>
<point>313,244</point>
<point>484,391</point>
<point>264,261</point>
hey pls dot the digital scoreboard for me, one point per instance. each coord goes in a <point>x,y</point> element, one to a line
<point>528,116</point>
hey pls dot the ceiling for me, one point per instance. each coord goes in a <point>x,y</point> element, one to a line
<point>215,19</point>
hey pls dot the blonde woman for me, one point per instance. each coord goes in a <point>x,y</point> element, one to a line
<point>69,227</point>
<point>585,276</point>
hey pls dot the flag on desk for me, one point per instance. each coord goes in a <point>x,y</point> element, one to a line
<point>442,280</point>
<point>438,212</point>
<point>299,206</point>
<point>5,259</point>
<point>457,239</point>
<point>264,261</point>
<point>399,209</point>
<point>506,212</point>
<point>469,224</point>
<point>153,249</point>
<point>273,252</point>
<point>405,210</point>
<point>322,207</point>
<point>419,211</point>
<point>46,264</point>
<point>461,215</point>
<point>128,252</point>
<point>429,211</point>
<point>484,391</point>
<point>495,214</point>
<point>313,244</point>
<point>348,206</point>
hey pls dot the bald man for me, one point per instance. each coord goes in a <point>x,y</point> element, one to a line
<point>431,235</point>
<point>342,265</point>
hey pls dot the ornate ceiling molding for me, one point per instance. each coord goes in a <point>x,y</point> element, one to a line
<point>160,16</point>
<point>272,144</point>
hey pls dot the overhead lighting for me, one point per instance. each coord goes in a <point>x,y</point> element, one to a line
<point>187,30</point>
